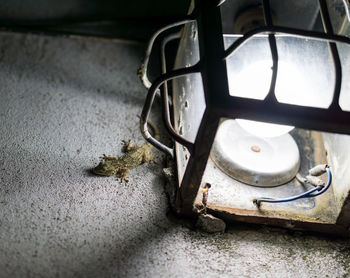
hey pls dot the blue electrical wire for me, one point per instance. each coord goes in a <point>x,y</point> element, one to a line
<point>307,194</point>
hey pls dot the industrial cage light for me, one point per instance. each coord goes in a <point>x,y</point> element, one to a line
<point>235,98</point>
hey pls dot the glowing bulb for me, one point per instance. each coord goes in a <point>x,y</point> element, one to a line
<point>254,82</point>
<point>251,82</point>
<point>263,129</point>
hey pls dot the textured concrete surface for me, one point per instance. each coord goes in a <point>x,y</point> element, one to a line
<point>65,102</point>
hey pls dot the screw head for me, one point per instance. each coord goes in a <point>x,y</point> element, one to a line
<point>255,148</point>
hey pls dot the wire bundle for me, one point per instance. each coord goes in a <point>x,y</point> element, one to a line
<point>316,171</point>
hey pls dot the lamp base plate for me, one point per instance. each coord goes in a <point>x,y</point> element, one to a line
<point>257,161</point>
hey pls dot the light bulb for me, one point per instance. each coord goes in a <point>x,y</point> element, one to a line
<point>254,82</point>
<point>262,129</point>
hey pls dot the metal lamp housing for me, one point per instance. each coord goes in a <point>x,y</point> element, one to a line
<point>205,93</point>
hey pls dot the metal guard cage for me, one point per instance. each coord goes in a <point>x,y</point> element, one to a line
<point>212,67</point>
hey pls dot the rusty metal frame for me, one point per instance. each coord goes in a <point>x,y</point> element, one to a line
<point>212,67</point>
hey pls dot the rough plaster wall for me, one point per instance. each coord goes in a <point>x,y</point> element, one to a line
<point>63,104</point>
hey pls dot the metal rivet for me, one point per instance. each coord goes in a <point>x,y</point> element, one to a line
<point>255,149</point>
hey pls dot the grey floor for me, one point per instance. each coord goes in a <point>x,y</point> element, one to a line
<point>65,102</point>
